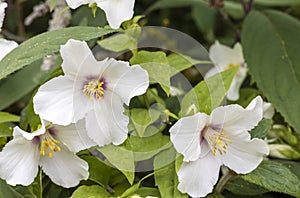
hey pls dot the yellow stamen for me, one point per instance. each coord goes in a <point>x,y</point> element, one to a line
<point>218,141</point>
<point>231,65</point>
<point>94,89</point>
<point>48,145</point>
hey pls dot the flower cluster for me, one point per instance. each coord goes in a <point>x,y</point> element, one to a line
<point>85,107</point>
<point>81,109</point>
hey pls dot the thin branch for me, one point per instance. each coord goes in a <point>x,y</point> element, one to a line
<point>245,6</point>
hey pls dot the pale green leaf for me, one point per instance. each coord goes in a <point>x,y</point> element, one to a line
<point>209,93</point>
<point>8,117</point>
<point>121,158</point>
<point>180,62</point>
<point>156,64</point>
<point>118,43</point>
<point>146,147</point>
<point>90,192</point>
<point>5,131</point>
<point>166,177</point>
<point>275,64</point>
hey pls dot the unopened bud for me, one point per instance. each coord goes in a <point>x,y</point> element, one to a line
<point>283,151</point>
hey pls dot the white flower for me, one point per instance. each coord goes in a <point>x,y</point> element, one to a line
<point>117,11</point>
<point>53,149</point>
<point>224,58</point>
<point>207,142</point>
<point>5,45</point>
<point>2,12</point>
<point>91,89</point>
<point>268,110</point>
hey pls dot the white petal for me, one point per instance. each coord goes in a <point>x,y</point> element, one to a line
<point>222,55</point>
<point>2,14</point>
<point>21,134</point>
<point>74,136</point>
<point>76,3</point>
<point>79,62</point>
<point>61,101</point>
<point>126,81</point>
<point>6,47</point>
<point>198,178</point>
<point>19,161</point>
<point>65,168</point>
<point>244,155</point>
<point>268,110</point>
<point>185,135</point>
<point>117,11</point>
<point>106,123</point>
<point>233,92</point>
<point>235,118</point>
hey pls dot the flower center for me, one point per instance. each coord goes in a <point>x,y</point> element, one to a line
<point>231,65</point>
<point>48,144</point>
<point>94,89</point>
<point>217,141</point>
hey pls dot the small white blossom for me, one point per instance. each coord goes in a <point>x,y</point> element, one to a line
<point>2,12</point>
<point>5,45</point>
<point>117,11</point>
<point>91,89</point>
<point>225,58</point>
<point>53,148</point>
<point>207,142</point>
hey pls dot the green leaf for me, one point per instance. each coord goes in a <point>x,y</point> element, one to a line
<point>146,147</point>
<point>7,117</point>
<point>147,122</point>
<point>45,44</point>
<point>22,82</point>
<point>154,62</point>
<point>276,58</point>
<point>29,118</point>
<point>90,192</point>
<point>261,130</point>
<point>180,62</point>
<point>163,4</point>
<point>15,192</point>
<point>209,93</point>
<point>275,177</point>
<point>118,43</point>
<point>121,158</point>
<point>205,18</point>
<point>98,171</point>
<point>166,177</point>
<point>239,186</point>
<point>277,2</point>
<point>5,131</point>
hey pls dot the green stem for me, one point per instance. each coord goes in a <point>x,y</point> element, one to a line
<point>146,101</point>
<point>223,181</point>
